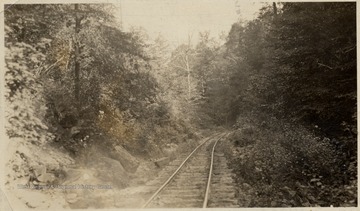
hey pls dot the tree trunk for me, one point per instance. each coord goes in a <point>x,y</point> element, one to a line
<point>76,58</point>
<point>188,76</point>
<point>203,87</point>
<point>275,9</point>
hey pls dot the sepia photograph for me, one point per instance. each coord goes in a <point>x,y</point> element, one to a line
<point>178,104</point>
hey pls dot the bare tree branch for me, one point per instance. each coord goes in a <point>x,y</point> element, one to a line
<point>324,65</point>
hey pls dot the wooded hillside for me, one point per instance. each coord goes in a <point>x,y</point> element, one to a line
<point>284,84</point>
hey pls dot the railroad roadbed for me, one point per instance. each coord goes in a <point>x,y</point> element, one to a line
<point>199,179</point>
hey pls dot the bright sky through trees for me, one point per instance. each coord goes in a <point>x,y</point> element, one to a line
<point>176,19</point>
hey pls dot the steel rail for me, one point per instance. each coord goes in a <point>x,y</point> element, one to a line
<point>176,171</point>
<point>210,173</point>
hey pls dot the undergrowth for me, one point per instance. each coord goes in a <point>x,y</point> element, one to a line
<point>291,166</point>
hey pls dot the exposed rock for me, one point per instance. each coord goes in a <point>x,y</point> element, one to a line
<point>72,175</point>
<point>162,162</point>
<point>72,198</point>
<point>129,162</point>
<point>110,170</point>
<point>52,166</point>
<point>47,178</point>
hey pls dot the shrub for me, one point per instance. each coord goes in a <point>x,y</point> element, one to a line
<point>25,106</point>
<point>284,162</point>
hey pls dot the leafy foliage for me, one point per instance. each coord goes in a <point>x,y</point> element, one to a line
<point>286,81</point>
<point>300,64</point>
<point>26,107</point>
<point>119,100</point>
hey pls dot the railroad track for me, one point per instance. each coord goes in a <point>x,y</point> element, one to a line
<point>201,180</point>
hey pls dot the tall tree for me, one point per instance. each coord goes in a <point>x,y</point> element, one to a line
<point>320,53</point>
<point>77,54</point>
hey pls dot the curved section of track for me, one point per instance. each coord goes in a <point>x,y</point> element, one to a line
<point>206,199</point>
<point>189,185</point>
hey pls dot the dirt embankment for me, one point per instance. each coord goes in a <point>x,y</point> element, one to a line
<point>48,178</point>
<point>45,177</point>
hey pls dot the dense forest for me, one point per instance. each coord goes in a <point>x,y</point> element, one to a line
<point>284,84</point>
